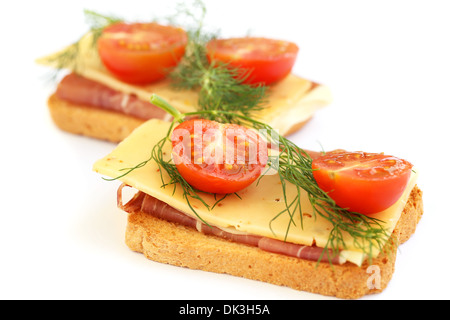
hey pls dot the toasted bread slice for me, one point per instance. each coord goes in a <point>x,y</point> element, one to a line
<point>177,245</point>
<point>91,122</point>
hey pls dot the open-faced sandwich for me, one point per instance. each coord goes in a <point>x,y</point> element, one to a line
<point>115,68</point>
<point>236,197</point>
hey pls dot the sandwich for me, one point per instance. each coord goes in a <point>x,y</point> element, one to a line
<point>112,71</point>
<point>323,222</point>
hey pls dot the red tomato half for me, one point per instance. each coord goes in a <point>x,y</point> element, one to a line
<point>362,182</point>
<point>218,158</point>
<point>266,60</point>
<point>141,53</point>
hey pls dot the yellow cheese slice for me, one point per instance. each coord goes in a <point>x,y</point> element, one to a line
<point>253,212</point>
<point>291,101</point>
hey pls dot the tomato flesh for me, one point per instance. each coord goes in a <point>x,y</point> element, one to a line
<point>362,182</point>
<point>266,61</point>
<point>218,158</point>
<point>141,53</point>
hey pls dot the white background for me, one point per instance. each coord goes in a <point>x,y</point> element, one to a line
<point>61,236</point>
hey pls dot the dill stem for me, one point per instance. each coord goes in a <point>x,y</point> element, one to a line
<point>163,104</point>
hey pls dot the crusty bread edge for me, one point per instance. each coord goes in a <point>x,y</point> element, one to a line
<point>102,124</point>
<point>91,122</point>
<point>177,245</point>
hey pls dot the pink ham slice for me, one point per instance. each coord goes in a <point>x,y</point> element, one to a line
<point>148,204</point>
<point>79,90</point>
<point>297,250</point>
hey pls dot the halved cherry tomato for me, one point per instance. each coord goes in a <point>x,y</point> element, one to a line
<point>265,60</point>
<point>141,53</point>
<point>362,182</point>
<point>218,158</point>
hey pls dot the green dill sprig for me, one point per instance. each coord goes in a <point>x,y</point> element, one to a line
<point>98,22</point>
<point>220,86</point>
<point>294,167</point>
<point>68,58</point>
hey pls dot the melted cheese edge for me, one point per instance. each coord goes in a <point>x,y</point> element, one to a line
<point>289,102</point>
<point>253,212</point>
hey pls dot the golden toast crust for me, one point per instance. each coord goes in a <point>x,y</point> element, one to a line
<point>91,122</point>
<point>177,245</point>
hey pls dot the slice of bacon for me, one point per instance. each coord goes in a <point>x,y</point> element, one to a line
<point>162,210</point>
<point>148,204</point>
<point>296,250</point>
<point>79,90</point>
